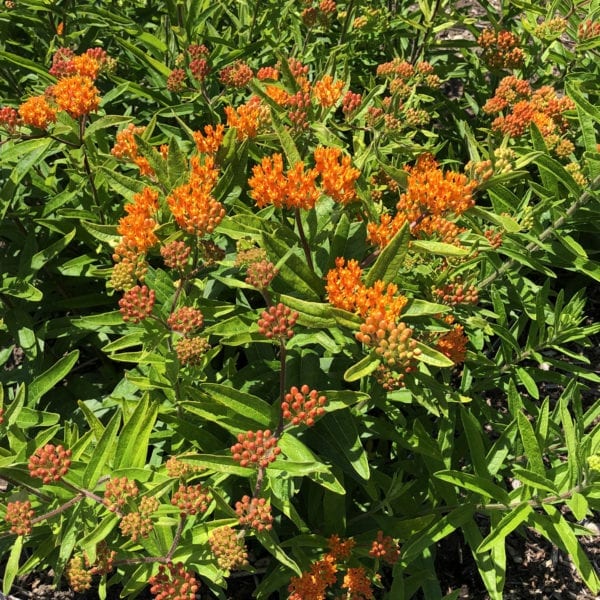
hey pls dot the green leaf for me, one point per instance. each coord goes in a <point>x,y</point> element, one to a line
<point>220,464</point>
<point>144,57</point>
<point>474,483</point>
<point>343,432</point>
<point>132,447</point>
<point>287,143</point>
<point>509,523</point>
<point>579,505</point>
<point>122,184</point>
<point>534,480</point>
<point>104,233</point>
<point>102,452</point>
<point>389,262</point>
<point>12,565</point>
<point>316,315</point>
<point>268,542</point>
<point>39,259</point>
<point>105,122</point>
<point>530,443</point>
<point>176,164</point>
<point>28,417</point>
<point>571,442</point>
<point>422,308</point>
<point>439,529</point>
<point>362,368</point>
<point>438,248</point>
<point>155,160</point>
<point>48,379</point>
<point>432,357</point>
<point>559,532</point>
<point>295,272</point>
<point>247,405</point>
<point>472,428</point>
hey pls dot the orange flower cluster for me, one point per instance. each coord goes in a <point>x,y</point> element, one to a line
<point>137,227</point>
<point>65,63</point>
<point>588,29</point>
<point>237,75</point>
<point>338,176</point>
<point>405,76</point>
<point>314,583</point>
<point>18,515</point>
<point>126,147</point>
<point>358,584</point>
<point>345,290</point>
<point>295,189</point>
<point>500,49</point>
<point>192,204</point>
<point>247,118</point>
<point>78,577</point>
<point>50,463</point>
<point>254,513</point>
<point>228,548</point>
<point>176,584</point>
<point>524,106</point>
<point>268,73</point>
<point>211,140</point>
<point>385,548</point>
<point>454,344</point>
<point>326,91</point>
<point>36,112</point>
<point>431,196</point>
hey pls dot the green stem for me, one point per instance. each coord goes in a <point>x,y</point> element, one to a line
<point>303,240</point>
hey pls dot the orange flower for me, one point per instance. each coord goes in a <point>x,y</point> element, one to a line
<point>454,344</point>
<point>76,95</point>
<point>247,118</point>
<point>86,65</point>
<point>327,92</point>
<point>431,196</point>
<point>338,177</point>
<point>358,585</point>
<point>343,284</point>
<point>36,112</point>
<point>278,95</point>
<point>340,549</point>
<point>192,204</point>
<point>211,140</point>
<point>137,228</point>
<point>313,584</point>
<point>269,185</point>
<point>125,144</point>
<point>345,290</point>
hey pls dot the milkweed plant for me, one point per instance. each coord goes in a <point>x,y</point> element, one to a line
<point>294,291</point>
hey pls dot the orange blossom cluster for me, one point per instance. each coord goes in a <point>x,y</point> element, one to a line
<point>500,49</point>
<point>432,197</point>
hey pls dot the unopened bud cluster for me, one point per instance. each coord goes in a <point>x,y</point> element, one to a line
<point>588,29</point>
<point>118,492</point>
<point>277,322</point>
<point>260,274</point>
<point>494,237</point>
<point>350,102</point>
<point>228,548</point>
<point>139,523</point>
<point>190,350</point>
<point>255,448</point>
<point>594,463</point>
<point>173,582</point>
<point>9,118</point>
<point>137,303</point>
<point>551,28</point>
<point>78,576</point>
<point>392,341</point>
<point>303,405</point>
<point>178,468</point>
<point>126,272</point>
<point>456,293</point>
<point>185,319</point>
<point>254,513</point>
<point>175,255</point>
<point>385,548</point>
<point>191,500</point>
<point>18,516</point>
<point>50,463</point>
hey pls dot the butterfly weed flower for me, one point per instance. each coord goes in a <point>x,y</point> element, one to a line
<point>37,112</point>
<point>77,95</point>
<point>303,405</point>
<point>247,118</point>
<point>210,141</point>
<point>78,575</point>
<point>454,344</point>
<point>137,303</point>
<point>327,92</point>
<point>338,176</point>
